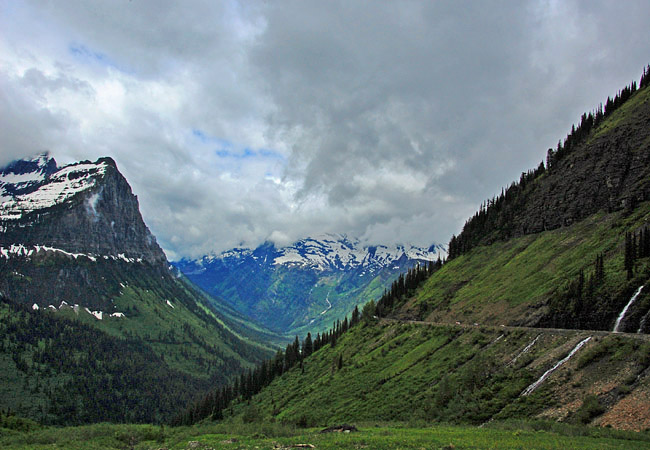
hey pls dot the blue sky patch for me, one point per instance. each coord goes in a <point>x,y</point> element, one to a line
<point>90,56</point>
<point>226,149</point>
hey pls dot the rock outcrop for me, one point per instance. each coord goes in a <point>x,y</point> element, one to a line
<point>83,208</point>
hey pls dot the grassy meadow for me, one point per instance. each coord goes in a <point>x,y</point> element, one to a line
<point>259,436</point>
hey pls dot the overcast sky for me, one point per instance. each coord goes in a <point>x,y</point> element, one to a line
<point>238,122</point>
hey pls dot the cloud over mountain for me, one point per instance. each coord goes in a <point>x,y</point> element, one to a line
<point>240,121</point>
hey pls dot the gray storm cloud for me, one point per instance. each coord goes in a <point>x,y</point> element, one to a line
<point>237,122</point>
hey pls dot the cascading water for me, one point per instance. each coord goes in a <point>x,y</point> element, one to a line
<point>622,314</point>
<point>525,350</point>
<point>541,379</point>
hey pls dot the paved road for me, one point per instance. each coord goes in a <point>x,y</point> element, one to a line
<point>639,336</point>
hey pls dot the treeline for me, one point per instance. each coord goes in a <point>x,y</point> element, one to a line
<point>494,219</point>
<point>637,245</point>
<point>586,302</point>
<point>254,380</point>
<point>581,304</point>
<point>401,288</point>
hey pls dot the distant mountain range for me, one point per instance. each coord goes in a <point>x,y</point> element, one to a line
<point>306,285</point>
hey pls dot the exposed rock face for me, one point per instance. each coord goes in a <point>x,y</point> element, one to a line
<point>85,208</point>
<point>610,172</point>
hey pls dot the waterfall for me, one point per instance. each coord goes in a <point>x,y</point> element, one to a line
<point>622,314</point>
<point>642,324</point>
<point>525,350</point>
<point>541,379</point>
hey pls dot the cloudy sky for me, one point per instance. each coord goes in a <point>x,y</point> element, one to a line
<point>237,122</point>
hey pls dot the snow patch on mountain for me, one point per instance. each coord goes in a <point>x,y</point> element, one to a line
<point>329,252</point>
<point>339,252</point>
<point>21,251</point>
<point>36,184</point>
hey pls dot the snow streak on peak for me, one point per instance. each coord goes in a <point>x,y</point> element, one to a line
<point>332,252</point>
<point>31,185</point>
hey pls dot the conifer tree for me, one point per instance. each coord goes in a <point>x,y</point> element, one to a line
<point>629,255</point>
<point>355,316</point>
<point>307,346</point>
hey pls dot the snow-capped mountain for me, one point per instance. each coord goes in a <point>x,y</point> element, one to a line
<point>73,244</point>
<point>333,252</point>
<point>338,252</point>
<point>308,283</point>
<point>23,176</point>
<point>39,184</point>
<point>86,208</point>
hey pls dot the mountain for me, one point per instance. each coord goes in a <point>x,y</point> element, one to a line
<point>85,208</point>
<point>74,249</point>
<point>541,312</point>
<point>551,250</point>
<point>307,285</point>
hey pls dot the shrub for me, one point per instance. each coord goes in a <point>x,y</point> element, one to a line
<point>590,408</point>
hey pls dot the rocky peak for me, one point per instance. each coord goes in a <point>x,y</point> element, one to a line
<point>330,252</point>
<point>85,207</point>
<point>22,176</point>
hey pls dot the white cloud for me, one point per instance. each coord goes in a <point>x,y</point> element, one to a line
<point>244,121</point>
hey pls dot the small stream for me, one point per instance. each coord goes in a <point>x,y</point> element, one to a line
<point>622,314</point>
<point>329,305</point>
<point>541,379</point>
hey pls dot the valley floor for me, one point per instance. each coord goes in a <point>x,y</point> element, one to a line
<point>528,435</point>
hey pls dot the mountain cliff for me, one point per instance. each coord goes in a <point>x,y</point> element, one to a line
<point>75,255</point>
<point>307,285</point>
<point>83,208</point>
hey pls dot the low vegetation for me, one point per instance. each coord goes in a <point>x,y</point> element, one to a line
<point>259,436</point>
<point>535,280</point>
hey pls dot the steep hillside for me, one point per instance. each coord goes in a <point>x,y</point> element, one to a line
<point>305,286</point>
<point>57,370</point>
<point>73,244</point>
<point>392,371</point>
<point>603,165</point>
<point>505,268</point>
<point>534,280</point>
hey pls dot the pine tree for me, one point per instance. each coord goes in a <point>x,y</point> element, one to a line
<point>355,316</point>
<point>307,346</point>
<point>629,255</point>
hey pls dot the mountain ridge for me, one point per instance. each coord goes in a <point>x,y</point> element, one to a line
<point>307,285</point>
<point>332,251</point>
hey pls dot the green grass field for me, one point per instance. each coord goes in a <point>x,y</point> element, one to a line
<point>533,435</point>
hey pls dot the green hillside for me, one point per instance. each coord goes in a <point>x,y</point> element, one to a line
<point>169,347</point>
<point>514,282</point>
<point>399,372</point>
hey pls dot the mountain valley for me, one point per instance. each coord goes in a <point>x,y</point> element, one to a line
<point>540,312</point>
<point>536,314</point>
<point>308,285</point>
